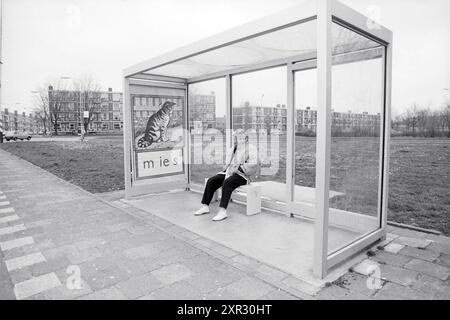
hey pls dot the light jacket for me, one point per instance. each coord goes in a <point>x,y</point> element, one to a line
<point>244,156</point>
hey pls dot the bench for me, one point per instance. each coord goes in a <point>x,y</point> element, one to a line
<point>253,198</point>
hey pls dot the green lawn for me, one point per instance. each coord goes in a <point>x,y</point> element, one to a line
<point>419,192</point>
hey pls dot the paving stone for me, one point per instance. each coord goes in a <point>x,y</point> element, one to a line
<point>6,286</point>
<point>16,243</point>
<point>278,294</point>
<point>385,242</point>
<point>225,251</point>
<point>300,285</point>
<point>393,291</point>
<point>175,229</point>
<point>20,275</point>
<point>444,260</point>
<point>393,247</point>
<point>42,245</point>
<point>201,262</point>
<point>63,292</point>
<point>354,295</point>
<point>210,280</point>
<point>111,293</point>
<point>6,210</point>
<point>398,275</point>
<point>205,242</point>
<point>146,250</point>
<point>224,294</point>
<point>189,235</point>
<point>12,229</point>
<point>249,288</point>
<point>102,263</point>
<point>432,286</point>
<point>140,229</point>
<point>161,222</point>
<point>119,226</point>
<point>57,252</point>
<point>230,271</point>
<point>413,242</point>
<point>10,218</point>
<point>355,282</point>
<point>271,272</point>
<point>36,285</point>
<point>431,269</point>
<point>50,266</point>
<point>440,247</point>
<point>140,266</point>
<point>24,261</point>
<point>385,257</point>
<point>180,290</point>
<point>105,278</point>
<point>89,243</point>
<point>246,261</point>
<point>366,267</point>
<point>79,256</point>
<point>174,255</point>
<point>139,286</point>
<point>332,292</point>
<point>171,273</point>
<point>423,254</point>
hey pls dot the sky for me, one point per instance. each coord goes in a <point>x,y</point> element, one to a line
<point>47,39</point>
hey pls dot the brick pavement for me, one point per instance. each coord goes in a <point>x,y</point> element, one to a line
<point>409,265</point>
<point>60,242</point>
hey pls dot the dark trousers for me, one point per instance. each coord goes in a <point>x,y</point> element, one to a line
<point>228,186</point>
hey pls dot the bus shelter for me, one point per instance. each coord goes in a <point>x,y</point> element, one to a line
<point>311,85</point>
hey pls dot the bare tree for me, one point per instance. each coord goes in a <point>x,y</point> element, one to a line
<point>41,108</point>
<point>91,99</point>
<point>58,97</point>
<point>445,116</point>
<point>422,115</point>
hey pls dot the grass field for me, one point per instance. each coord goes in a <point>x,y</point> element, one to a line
<point>96,165</point>
<point>419,192</point>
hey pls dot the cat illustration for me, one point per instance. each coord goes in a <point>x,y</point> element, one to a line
<point>157,124</point>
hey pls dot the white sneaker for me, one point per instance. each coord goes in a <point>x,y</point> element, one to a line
<point>203,210</point>
<point>221,215</point>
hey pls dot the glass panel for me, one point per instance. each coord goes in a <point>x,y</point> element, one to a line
<point>305,120</point>
<point>357,104</point>
<point>298,40</point>
<point>207,109</point>
<point>259,107</point>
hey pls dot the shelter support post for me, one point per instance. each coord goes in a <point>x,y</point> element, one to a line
<point>324,49</point>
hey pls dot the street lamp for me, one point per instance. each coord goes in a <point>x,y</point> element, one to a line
<point>81,106</point>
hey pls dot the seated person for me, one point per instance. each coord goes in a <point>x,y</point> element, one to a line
<point>241,165</point>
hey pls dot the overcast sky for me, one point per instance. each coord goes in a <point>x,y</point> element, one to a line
<point>45,39</point>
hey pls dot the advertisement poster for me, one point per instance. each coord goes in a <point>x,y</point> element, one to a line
<point>158,135</point>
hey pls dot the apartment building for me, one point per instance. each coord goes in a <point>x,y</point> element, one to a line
<point>274,119</point>
<point>104,109</point>
<point>20,122</point>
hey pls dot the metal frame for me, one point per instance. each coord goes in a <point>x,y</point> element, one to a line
<point>326,12</point>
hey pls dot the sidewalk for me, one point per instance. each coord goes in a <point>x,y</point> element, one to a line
<point>52,231</point>
<point>55,237</point>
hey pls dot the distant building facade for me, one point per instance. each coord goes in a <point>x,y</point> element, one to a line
<point>19,122</point>
<point>274,119</point>
<point>202,112</point>
<point>105,111</point>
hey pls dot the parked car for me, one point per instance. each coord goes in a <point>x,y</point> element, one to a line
<point>15,135</point>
